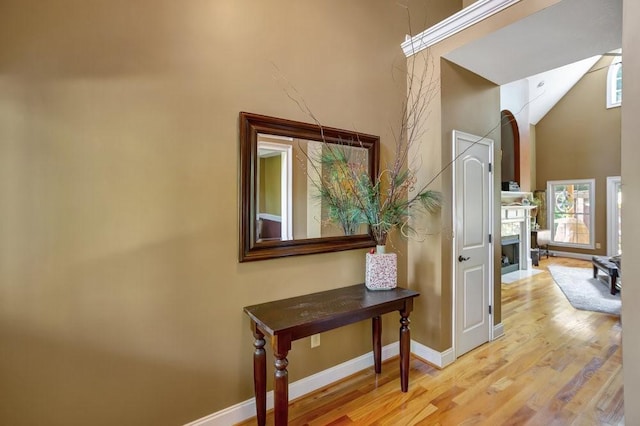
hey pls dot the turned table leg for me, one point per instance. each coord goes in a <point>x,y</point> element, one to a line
<point>405,342</point>
<point>376,332</point>
<point>281,390</point>
<point>260,376</point>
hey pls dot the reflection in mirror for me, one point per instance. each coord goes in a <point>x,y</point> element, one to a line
<point>289,176</point>
<point>281,209</point>
<point>325,171</point>
<point>274,198</point>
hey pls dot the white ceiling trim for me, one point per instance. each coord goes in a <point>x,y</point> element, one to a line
<point>468,16</point>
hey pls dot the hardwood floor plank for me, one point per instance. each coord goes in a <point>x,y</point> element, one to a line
<point>555,365</point>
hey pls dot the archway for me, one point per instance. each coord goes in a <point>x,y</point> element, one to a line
<point>510,136</point>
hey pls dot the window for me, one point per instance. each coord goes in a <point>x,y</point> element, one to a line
<point>571,212</point>
<point>614,83</point>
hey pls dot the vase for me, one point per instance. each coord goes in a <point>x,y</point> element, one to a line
<point>381,270</point>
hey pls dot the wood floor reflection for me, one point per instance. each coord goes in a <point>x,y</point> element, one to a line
<point>555,365</point>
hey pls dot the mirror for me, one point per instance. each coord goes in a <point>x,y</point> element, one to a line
<point>281,213</point>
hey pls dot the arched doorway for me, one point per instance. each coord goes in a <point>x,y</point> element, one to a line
<point>510,136</point>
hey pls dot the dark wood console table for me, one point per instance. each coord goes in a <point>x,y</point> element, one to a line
<point>290,319</point>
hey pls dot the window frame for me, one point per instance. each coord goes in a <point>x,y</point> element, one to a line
<point>552,207</point>
<point>613,101</point>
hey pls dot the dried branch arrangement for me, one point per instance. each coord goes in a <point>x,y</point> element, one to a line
<point>387,201</point>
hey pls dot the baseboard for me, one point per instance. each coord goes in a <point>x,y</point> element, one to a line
<point>570,254</point>
<point>438,359</point>
<point>247,409</point>
<point>498,331</point>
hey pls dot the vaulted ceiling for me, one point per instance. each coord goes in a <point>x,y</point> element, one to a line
<point>570,34</point>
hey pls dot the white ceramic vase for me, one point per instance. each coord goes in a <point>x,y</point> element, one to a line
<point>381,270</point>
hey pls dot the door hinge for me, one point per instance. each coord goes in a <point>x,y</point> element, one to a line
<point>489,237</point>
<point>489,167</point>
<point>489,309</point>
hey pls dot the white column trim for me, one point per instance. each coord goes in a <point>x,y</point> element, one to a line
<point>612,214</point>
<point>468,16</point>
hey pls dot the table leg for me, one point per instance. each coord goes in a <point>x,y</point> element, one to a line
<point>613,278</point>
<point>405,348</point>
<point>260,376</point>
<point>376,332</point>
<point>281,390</point>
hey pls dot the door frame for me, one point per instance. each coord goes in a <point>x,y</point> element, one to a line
<point>285,152</point>
<point>612,213</point>
<point>489,143</point>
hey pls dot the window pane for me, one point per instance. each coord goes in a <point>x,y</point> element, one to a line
<point>571,213</point>
<point>618,96</point>
<point>614,85</point>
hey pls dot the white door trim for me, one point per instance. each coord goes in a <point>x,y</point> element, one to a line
<point>612,214</point>
<point>454,255</point>
<point>285,151</point>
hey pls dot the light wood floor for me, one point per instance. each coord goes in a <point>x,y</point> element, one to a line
<point>555,365</point>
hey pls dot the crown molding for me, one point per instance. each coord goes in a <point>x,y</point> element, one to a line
<point>468,16</point>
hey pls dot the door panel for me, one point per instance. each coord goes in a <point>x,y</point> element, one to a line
<point>473,197</point>
<point>474,232</point>
<point>473,312</point>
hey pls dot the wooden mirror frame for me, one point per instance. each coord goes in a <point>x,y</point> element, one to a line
<point>250,126</point>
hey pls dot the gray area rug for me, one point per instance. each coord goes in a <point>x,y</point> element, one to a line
<point>585,292</point>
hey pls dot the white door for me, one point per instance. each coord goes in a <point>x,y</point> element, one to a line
<point>473,270</point>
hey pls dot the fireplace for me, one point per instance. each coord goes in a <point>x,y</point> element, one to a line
<point>515,234</point>
<point>510,253</point>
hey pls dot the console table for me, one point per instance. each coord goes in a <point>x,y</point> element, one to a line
<point>290,319</point>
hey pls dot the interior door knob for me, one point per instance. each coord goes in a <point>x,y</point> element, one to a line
<point>461,258</point>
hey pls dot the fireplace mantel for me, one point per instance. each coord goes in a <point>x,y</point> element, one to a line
<point>516,220</point>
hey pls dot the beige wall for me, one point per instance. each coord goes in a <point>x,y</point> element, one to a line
<point>631,211</point>
<point>299,190</point>
<point>120,292</point>
<point>533,159</point>
<point>272,178</point>
<point>438,10</point>
<point>580,139</point>
<point>429,261</point>
<point>470,104</point>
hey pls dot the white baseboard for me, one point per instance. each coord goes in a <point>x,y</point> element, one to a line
<point>439,359</point>
<point>570,254</point>
<point>498,331</point>
<point>247,409</point>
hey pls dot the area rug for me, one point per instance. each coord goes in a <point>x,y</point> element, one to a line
<point>585,292</point>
